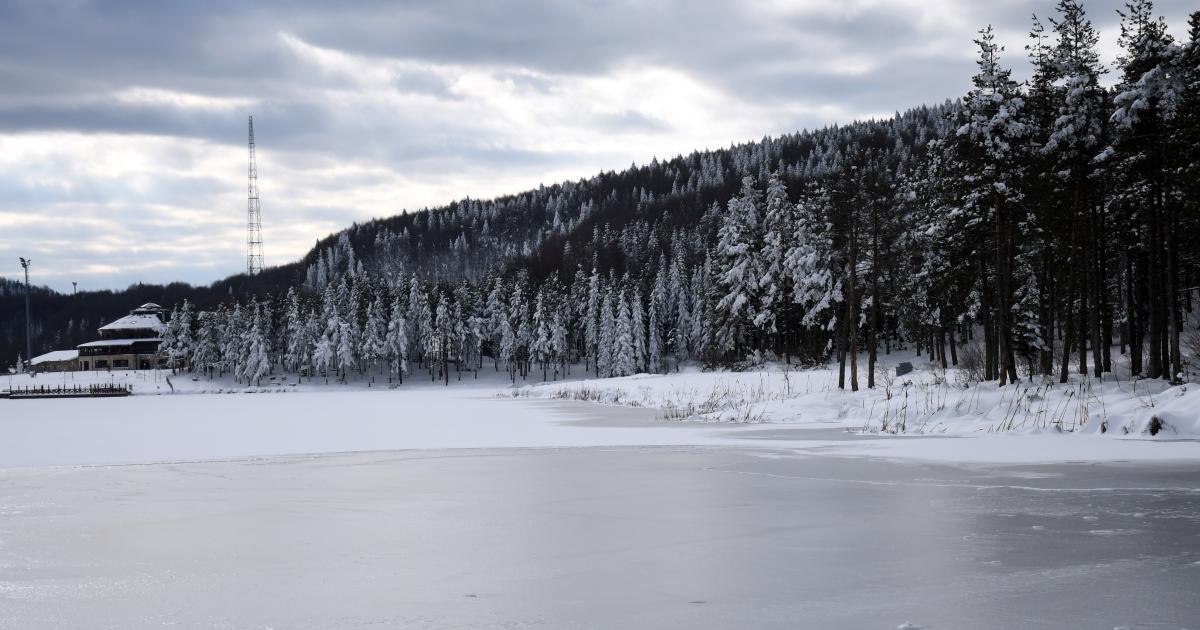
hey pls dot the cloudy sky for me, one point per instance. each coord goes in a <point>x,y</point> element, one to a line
<point>123,124</point>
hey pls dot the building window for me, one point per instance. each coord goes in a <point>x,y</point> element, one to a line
<point>120,363</point>
<point>101,363</point>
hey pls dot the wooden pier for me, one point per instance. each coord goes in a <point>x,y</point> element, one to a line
<point>68,391</point>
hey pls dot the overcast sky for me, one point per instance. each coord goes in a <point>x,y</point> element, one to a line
<point>123,124</point>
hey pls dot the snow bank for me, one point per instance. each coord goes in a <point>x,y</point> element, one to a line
<point>1175,413</point>
<point>928,401</point>
<point>719,396</point>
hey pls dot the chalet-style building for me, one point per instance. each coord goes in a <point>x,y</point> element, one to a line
<point>129,343</point>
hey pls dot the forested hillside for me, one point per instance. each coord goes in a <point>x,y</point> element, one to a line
<point>1033,229</point>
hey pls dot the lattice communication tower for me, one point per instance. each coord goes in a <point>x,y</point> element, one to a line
<point>254,241</point>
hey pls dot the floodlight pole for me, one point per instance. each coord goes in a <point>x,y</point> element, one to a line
<point>28,317</point>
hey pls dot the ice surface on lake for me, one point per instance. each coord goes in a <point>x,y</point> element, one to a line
<point>628,537</point>
<point>462,510</point>
<point>141,429</point>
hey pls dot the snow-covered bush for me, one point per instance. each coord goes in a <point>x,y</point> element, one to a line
<point>970,364</point>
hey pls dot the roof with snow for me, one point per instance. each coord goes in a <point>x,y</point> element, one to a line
<point>57,355</point>
<point>148,307</point>
<point>136,321</point>
<point>115,342</point>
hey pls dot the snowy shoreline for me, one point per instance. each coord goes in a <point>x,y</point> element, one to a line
<point>488,414</point>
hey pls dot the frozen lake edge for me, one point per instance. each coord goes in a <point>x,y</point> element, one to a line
<point>630,536</point>
<point>440,509</point>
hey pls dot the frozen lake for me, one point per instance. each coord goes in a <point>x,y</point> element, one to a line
<point>513,514</point>
<point>598,537</point>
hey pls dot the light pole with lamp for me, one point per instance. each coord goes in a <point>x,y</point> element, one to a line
<point>28,339</point>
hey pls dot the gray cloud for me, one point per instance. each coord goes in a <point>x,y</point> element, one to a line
<point>125,120</point>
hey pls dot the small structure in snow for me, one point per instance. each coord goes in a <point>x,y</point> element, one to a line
<point>56,361</point>
<point>903,368</point>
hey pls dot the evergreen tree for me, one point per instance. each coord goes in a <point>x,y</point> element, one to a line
<point>591,323</point>
<point>256,364</point>
<point>1141,159</point>
<point>1075,138</point>
<point>323,357</point>
<point>988,146</point>
<point>397,340</point>
<point>344,353</point>
<point>374,344</point>
<point>606,341</point>
<point>297,329</point>
<point>738,267</point>
<point>623,344</point>
<point>638,322</point>
<point>208,350</point>
<point>778,221</point>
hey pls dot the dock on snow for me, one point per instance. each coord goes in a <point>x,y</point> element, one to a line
<point>105,390</point>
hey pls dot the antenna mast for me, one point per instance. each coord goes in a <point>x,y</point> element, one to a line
<point>254,242</point>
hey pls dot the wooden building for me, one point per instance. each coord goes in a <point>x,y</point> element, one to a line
<point>130,343</point>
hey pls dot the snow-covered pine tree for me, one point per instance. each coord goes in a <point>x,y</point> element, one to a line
<point>170,345</point>
<point>233,341</point>
<point>606,336</point>
<point>207,350</point>
<point>541,344</point>
<point>443,337</point>
<point>178,342</point>
<point>374,346</point>
<point>591,323</point>
<point>779,217</point>
<point>737,267</point>
<point>989,145</point>
<point>809,265</point>
<point>656,347</point>
<point>622,352</point>
<point>701,308</point>
<point>344,353</point>
<point>559,343</point>
<point>507,347</point>
<point>1075,138</point>
<point>680,296</point>
<point>494,318</point>
<point>420,318</point>
<point>519,316</point>
<point>638,321</point>
<point>323,355</point>
<point>257,363</point>
<point>397,340</point>
<point>296,327</point>
<point>576,317</point>
<point>1142,161</point>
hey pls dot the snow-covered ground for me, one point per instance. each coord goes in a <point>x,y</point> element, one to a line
<point>943,421</point>
<point>928,401</point>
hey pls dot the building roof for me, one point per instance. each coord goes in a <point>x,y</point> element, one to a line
<point>56,355</point>
<point>137,321</point>
<point>115,342</point>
